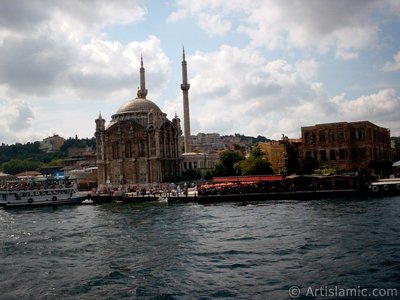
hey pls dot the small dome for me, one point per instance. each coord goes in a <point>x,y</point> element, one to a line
<point>138,105</point>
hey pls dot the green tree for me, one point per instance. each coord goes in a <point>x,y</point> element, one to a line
<point>191,175</point>
<point>325,170</point>
<point>257,152</point>
<point>308,165</point>
<point>16,166</point>
<point>255,164</point>
<point>225,167</point>
<point>292,163</point>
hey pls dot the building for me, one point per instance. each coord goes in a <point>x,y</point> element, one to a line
<point>202,162</point>
<point>139,145</point>
<point>207,142</point>
<point>80,157</point>
<point>52,143</point>
<point>275,153</point>
<point>346,145</point>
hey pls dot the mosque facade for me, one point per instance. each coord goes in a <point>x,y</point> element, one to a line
<point>140,145</point>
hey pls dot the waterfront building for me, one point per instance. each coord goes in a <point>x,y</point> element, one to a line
<point>275,153</point>
<point>203,162</point>
<point>140,145</point>
<point>346,145</point>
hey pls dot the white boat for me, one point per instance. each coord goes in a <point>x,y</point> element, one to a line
<point>386,186</point>
<point>40,191</point>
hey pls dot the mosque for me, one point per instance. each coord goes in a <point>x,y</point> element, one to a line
<point>140,145</point>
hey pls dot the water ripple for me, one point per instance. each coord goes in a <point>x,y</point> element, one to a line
<point>225,251</point>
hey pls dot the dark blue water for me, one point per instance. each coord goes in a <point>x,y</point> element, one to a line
<point>226,251</point>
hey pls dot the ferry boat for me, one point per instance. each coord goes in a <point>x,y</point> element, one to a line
<point>386,186</point>
<point>40,191</point>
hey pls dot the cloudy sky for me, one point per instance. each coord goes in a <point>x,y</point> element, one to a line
<point>256,67</point>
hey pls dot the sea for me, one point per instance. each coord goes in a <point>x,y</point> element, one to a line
<point>320,249</point>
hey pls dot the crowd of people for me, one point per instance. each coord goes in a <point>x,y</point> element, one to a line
<point>23,185</point>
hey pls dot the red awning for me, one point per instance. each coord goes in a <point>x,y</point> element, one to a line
<point>251,178</point>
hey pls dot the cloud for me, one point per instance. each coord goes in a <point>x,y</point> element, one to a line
<point>238,88</point>
<point>16,117</point>
<point>382,106</point>
<point>57,51</point>
<point>342,26</point>
<point>393,66</point>
<point>72,19</point>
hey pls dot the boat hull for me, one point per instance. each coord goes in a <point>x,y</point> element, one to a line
<point>39,203</point>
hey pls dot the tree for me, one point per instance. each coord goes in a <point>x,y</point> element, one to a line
<point>308,165</point>
<point>16,166</point>
<point>257,152</point>
<point>191,175</point>
<point>225,167</point>
<point>325,170</point>
<point>255,164</point>
<point>292,163</point>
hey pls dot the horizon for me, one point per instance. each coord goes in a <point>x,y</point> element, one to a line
<point>258,67</point>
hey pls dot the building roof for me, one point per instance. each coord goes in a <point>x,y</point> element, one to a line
<point>28,173</point>
<point>138,105</point>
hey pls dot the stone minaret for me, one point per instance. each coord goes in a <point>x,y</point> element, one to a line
<point>186,116</point>
<point>142,93</point>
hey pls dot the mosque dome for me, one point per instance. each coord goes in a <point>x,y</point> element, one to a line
<point>139,105</point>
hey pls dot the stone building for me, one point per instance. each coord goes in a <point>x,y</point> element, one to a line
<point>207,142</point>
<point>52,143</point>
<point>139,145</point>
<point>346,145</point>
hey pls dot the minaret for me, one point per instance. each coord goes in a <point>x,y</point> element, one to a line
<point>186,116</point>
<point>142,93</point>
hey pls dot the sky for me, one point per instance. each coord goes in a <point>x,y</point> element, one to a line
<point>255,67</point>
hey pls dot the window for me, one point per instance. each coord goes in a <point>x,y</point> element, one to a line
<point>128,149</point>
<point>352,135</point>
<point>115,150</point>
<point>340,135</point>
<point>322,154</point>
<point>141,148</point>
<point>354,153</point>
<point>342,154</point>
<point>361,134</point>
<point>322,137</point>
<point>363,153</point>
<point>332,154</point>
<point>331,136</point>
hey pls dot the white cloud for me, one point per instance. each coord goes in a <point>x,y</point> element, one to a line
<point>238,89</point>
<point>382,106</point>
<point>56,52</point>
<point>342,26</point>
<point>393,66</point>
<point>16,117</point>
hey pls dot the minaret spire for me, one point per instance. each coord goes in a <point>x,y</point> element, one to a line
<point>185,86</point>
<point>142,93</point>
